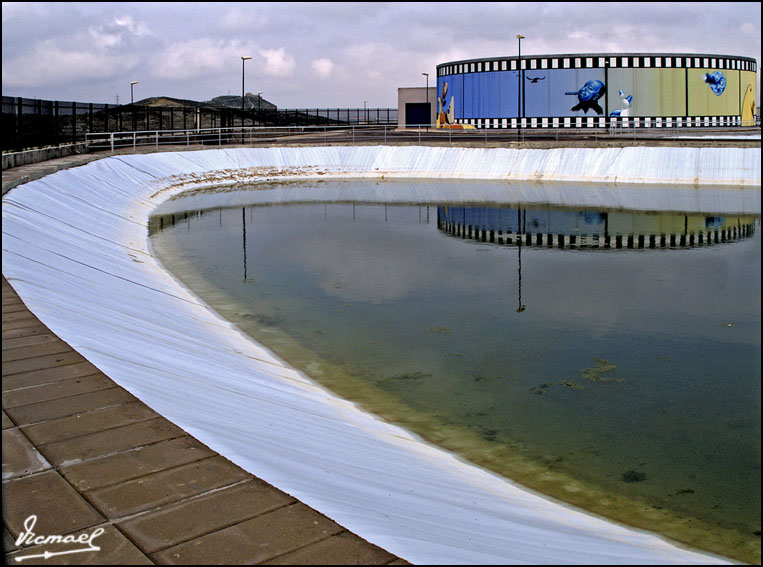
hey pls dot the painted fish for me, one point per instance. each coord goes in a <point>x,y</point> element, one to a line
<point>717,82</point>
<point>588,94</point>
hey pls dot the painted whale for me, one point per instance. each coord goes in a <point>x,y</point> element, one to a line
<point>588,95</point>
<point>717,82</point>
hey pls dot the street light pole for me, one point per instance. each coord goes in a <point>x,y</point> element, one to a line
<point>520,37</point>
<point>244,59</point>
<point>132,98</point>
<point>429,114</point>
<point>132,103</point>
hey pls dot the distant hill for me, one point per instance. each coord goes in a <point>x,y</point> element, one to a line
<point>168,101</point>
<point>251,101</point>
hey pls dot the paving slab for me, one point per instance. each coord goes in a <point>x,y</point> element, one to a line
<point>254,541</point>
<point>69,405</point>
<point>20,457</point>
<point>164,487</point>
<point>39,349</point>
<point>13,306</point>
<point>110,547</point>
<point>59,508</point>
<point>352,549</point>
<point>109,441</point>
<point>54,390</point>
<point>89,422</point>
<point>46,376</point>
<point>46,361</point>
<point>7,421</point>
<point>176,524</point>
<point>24,327</point>
<point>18,315</point>
<point>128,465</point>
<point>10,344</point>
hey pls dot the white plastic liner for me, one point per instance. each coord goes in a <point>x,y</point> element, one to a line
<point>75,248</point>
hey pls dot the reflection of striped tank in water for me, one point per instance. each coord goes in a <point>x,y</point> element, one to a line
<point>596,241</point>
<point>586,229</point>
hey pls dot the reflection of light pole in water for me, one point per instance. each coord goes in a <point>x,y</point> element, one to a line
<point>520,233</point>
<point>243,224</point>
<point>520,37</point>
<point>520,307</point>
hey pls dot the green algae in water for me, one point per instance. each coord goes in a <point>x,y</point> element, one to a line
<point>615,364</point>
<point>597,372</point>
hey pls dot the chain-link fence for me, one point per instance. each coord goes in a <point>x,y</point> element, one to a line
<point>32,123</point>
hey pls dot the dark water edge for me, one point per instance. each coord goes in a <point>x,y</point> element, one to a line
<point>495,447</point>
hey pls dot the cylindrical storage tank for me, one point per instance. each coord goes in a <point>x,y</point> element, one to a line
<point>598,90</point>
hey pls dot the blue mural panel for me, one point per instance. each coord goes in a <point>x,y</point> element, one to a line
<point>568,92</point>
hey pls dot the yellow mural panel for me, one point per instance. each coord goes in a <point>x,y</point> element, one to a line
<point>713,92</point>
<point>749,97</point>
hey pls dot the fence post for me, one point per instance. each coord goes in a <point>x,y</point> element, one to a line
<point>112,141</point>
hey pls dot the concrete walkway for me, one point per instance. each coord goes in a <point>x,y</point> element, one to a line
<point>83,457</point>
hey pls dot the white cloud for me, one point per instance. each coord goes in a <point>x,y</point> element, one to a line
<point>323,67</point>
<point>748,28</point>
<point>138,29</point>
<point>235,20</point>
<point>117,33</point>
<point>49,63</point>
<point>278,63</point>
<point>198,57</point>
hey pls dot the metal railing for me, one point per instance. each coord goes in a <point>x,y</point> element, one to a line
<point>34,123</point>
<point>359,134</point>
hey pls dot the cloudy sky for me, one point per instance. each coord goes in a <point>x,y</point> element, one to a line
<point>327,54</point>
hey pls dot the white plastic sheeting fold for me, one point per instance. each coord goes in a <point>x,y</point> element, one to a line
<point>75,247</point>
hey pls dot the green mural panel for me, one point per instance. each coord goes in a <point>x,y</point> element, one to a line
<point>713,92</point>
<point>655,92</point>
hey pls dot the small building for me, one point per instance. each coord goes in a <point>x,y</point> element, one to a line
<point>416,106</point>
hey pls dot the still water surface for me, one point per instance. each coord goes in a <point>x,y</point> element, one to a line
<point>610,377</point>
